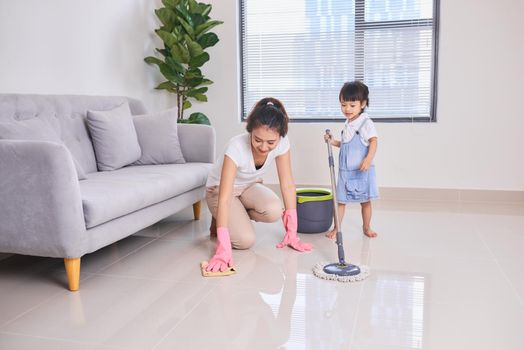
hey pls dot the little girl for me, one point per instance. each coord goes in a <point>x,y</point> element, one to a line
<point>358,144</point>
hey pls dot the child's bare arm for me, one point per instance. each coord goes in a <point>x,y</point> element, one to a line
<point>332,140</point>
<point>366,163</point>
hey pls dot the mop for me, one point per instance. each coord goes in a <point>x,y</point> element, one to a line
<point>340,271</point>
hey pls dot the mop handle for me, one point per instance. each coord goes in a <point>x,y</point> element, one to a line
<point>341,258</point>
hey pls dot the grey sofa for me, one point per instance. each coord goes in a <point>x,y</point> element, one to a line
<point>45,210</point>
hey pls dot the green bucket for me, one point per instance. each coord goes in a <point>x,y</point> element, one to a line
<point>314,210</point>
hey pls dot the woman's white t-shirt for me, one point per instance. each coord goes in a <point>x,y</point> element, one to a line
<point>239,150</point>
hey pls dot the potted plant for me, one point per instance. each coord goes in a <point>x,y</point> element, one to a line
<point>185,33</point>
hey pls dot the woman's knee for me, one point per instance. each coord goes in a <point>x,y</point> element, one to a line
<point>272,212</point>
<point>246,241</point>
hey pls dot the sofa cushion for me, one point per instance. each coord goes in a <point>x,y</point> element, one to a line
<point>114,137</point>
<point>109,195</point>
<point>37,129</point>
<point>158,138</point>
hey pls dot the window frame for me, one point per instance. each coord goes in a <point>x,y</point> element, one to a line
<point>360,27</point>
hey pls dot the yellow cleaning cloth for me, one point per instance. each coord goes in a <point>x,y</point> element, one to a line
<point>228,272</point>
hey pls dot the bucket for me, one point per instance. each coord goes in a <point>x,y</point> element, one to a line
<point>314,210</point>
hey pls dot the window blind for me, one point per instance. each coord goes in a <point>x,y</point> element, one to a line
<point>302,51</point>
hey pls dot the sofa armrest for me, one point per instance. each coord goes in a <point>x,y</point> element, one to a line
<point>197,142</point>
<point>40,203</point>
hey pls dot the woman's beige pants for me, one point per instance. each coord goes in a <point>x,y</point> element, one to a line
<point>256,202</point>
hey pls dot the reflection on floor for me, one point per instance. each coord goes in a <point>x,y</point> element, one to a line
<point>443,276</point>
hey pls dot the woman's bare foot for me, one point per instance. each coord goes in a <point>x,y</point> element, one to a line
<point>370,233</point>
<point>332,234</point>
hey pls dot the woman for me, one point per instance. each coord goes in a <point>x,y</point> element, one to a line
<point>235,194</point>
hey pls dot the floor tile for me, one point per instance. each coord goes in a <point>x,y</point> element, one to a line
<point>298,315</point>
<point>515,209</point>
<point>514,272</point>
<point>27,281</point>
<point>17,341</point>
<point>503,235</point>
<point>429,235</point>
<point>442,280</point>
<point>106,256</point>
<point>126,312</point>
<point>444,275</point>
<point>436,326</point>
<point>186,230</point>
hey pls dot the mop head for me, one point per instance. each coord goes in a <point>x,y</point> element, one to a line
<point>229,271</point>
<point>342,276</point>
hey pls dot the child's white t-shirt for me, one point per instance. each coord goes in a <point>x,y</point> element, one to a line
<point>239,150</point>
<point>366,132</point>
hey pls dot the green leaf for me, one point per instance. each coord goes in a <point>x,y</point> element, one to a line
<point>193,72</point>
<point>198,19</point>
<point>199,8</point>
<point>170,3</point>
<point>175,66</point>
<point>187,27</point>
<point>194,92</point>
<point>163,52</point>
<point>192,75</point>
<point>178,32</point>
<point>193,83</point>
<point>198,118</point>
<point>206,82</point>
<point>153,60</point>
<point>200,97</point>
<point>208,40</point>
<point>180,53</point>
<point>204,27</point>
<point>168,38</point>
<point>170,74</point>
<point>167,85</point>
<point>167,17</point>
<point>193,47</point>
<point>199,60</point>
<point>187,104</point>
<point>198,12</point>
<point>182,11</point>
<point>193,6</point>
<point>205,8</point>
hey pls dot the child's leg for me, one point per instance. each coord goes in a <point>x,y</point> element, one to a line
<point>341,210</point>
<point>366,220</point>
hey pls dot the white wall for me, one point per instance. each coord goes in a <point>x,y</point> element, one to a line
<point>97,47</point>
<point>79,47</point>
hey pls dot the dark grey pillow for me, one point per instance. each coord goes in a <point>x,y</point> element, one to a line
<point>158,138</point>
<point>114,137</point>
<point>36,129</point>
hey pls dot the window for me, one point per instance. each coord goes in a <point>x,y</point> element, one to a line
<point>302,51</point>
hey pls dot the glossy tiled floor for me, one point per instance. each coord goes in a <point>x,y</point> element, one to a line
<point>444,276</point>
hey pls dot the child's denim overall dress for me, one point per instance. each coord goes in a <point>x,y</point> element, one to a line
<point>355,186</point>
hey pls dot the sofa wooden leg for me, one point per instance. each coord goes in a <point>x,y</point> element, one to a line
<point>196,210</point>
<point>72,267</point>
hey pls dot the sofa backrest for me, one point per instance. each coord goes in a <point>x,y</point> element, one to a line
<point>70,113</point>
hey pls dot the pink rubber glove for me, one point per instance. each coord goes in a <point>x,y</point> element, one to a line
<point>223,257</point>
<point>290,239</point>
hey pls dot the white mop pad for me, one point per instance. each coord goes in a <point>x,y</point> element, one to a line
<point>318,270</point>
